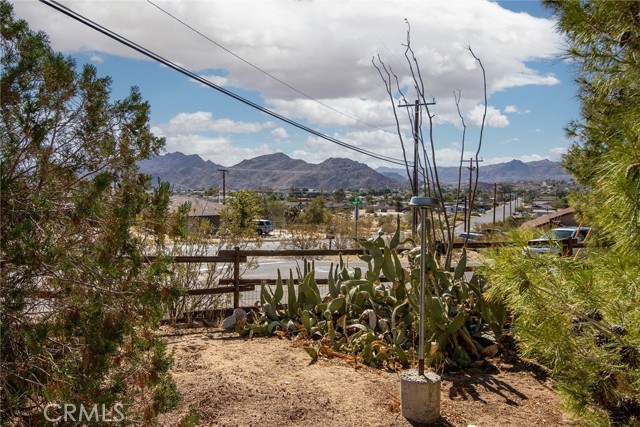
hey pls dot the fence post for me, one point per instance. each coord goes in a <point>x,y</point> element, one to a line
<point>236,278</point>
<point>567,247</point>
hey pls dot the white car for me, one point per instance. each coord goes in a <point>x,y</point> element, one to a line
<point>552,241</point>
<point>263,226</point>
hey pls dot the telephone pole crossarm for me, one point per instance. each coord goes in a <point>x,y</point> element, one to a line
<point>416,140</point>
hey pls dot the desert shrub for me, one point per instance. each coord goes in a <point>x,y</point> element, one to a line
<point>79,302</point>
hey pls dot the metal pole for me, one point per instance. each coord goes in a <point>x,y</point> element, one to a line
<point>504,208</point>
<point>423,203</point>
<point>356,214</point>
<point>236,277</point>
<point>510,202</point>
<point>423,265</point>
<point>470,202</point>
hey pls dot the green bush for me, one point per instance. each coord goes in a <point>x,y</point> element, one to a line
<point>79,302</point>
<point>581,319</point>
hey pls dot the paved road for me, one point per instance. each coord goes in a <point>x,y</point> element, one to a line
<point>268,268</point>
<point>502,211</point>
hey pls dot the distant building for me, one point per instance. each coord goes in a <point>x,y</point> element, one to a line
<point>201,208</point>
<point>563,217</point>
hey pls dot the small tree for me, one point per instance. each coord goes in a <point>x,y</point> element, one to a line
<point>237,218</point>
<point>441,226</point>
<point>315,213</point>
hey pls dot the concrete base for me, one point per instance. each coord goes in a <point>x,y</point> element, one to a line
<point>420,396</point>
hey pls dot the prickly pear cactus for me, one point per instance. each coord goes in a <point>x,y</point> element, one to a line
<point>373,317</point>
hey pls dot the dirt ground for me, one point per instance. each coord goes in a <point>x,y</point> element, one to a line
<point>234,381</point>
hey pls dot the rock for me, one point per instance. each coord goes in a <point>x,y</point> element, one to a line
<point>229,322</point>
<point>240,314</point>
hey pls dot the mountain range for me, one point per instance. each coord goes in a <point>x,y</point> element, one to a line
<point>279,171</point>
<point>512,171</point>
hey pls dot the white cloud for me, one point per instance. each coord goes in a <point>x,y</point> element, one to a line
<point>216,80</point>
<point>201,121</point>
<point>323,49</point>
<point>219,150</point>
<point>280,133</point>
<point>98,59</point>
<point>557,152</point>
<point>493,118</point>
<point>524,79</point>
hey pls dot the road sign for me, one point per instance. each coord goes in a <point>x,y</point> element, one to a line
<point>355,201</point>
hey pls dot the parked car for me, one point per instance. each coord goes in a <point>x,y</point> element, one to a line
<point>552,241</point>
<point>263,226</point>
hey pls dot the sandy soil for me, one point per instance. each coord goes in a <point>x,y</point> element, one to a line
<point>268,382</point>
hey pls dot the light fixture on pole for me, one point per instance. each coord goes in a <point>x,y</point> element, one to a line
<point>422,203</point>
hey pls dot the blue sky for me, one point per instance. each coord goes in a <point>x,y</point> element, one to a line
<point>323,49</point>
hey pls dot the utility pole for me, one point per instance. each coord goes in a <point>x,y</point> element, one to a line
<point>504,207</point>
<point>466,209</point>
<point>510,201</point>
<point>471,168</point>
<point>416,141</point>
<point>224,185</point>
<point>495,201</point>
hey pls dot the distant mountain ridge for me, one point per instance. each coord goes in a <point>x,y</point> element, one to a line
<point>279,171</point>
<point>512,171</point>
<point>271,171</point>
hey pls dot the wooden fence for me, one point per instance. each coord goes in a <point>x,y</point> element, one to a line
<point>236,284</point>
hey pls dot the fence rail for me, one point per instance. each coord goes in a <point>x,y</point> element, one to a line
<point>236,284</point>
<point>237,256</point>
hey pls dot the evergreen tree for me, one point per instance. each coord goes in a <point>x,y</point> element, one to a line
<point>79,304</point>
<point>581,318</point>
<point>604,44</point>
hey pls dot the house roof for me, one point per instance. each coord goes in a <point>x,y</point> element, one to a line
<point>200,206</point>
<point>554,217</point>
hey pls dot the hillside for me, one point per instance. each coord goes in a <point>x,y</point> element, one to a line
<point>279,171</point>
<point>512,171</point>
<point>271,171</point>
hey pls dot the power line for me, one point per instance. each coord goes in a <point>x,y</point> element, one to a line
<point>80,18</point>
<point>263,71</point>
<point>234,169</point>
